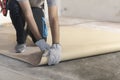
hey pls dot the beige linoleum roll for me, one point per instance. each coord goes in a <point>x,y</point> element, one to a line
<point>76,42</point>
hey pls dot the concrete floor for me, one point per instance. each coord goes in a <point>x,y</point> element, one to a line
<point>102,67</point>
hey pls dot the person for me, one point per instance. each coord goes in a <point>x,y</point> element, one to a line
<point>3,6</point>
<point>20,26</point>
<point>54,51</point>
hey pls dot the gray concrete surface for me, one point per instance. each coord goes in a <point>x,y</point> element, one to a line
<point>8,74</point>
<point>102,67</point>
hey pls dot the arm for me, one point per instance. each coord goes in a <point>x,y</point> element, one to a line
<point>53,20</point>
<point>55,50</point>
<point>24,4</point>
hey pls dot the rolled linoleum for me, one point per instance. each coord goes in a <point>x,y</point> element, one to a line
<point>76,42</point>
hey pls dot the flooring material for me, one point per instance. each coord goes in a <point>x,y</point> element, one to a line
<point>76,42</point>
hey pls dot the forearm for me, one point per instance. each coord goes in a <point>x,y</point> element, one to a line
<point>54,24</point>
<point>29,18</point>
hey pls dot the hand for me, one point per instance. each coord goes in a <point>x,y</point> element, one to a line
<point>54,54</point>
<point>42,45</point>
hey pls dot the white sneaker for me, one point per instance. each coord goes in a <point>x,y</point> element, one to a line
<point>20,48</point>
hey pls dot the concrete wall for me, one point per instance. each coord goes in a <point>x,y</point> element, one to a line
<point>106,10</point>
<point>92,9</point>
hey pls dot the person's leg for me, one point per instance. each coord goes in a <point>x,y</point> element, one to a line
<point>26,8</point>
<point>19,24</point>
<point>40,21</point>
